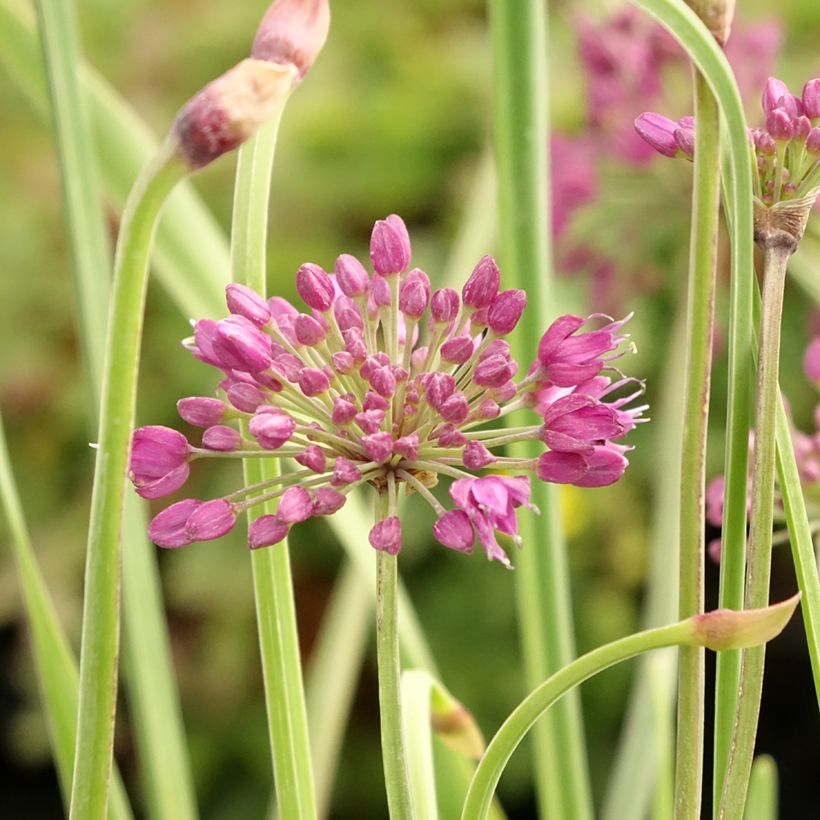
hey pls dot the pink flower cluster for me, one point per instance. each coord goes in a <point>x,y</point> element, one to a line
<point>786,150</point>
<point>347,390</point>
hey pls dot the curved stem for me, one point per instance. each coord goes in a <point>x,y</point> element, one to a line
<point>515,728</point>
<point>760,528</point>
<point>100,633</point>
<point>387,650</point>
<point>700,320</point>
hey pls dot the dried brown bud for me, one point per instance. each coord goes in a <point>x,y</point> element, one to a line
<point>717,16</point>
<point>293,31</point>
<point>728,629</point>
<point>230,109</point>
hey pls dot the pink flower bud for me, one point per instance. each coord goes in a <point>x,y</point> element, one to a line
<point>201,411</point>
<point>351,276</point>
<point>271,427</point>
<point>802,127</point>
<point>355,344</point>
<point>283,314</point>
<point>493,371</point>
<point>315,287</point>
<point>414,294</point>
<point>791,105</point>
<point>248,303</point>
<point>228,110</point>
<point>450,436</point>
<point>344,472</point>
<point>488,409</point>
<point>313,382</point>
<point>347,314</point>
<point>168,528</point>
<point>241,346</point>
<point>659,132</point>
<point>439,387</point>
<point>386,535</point>
<point>382,381</point>
<point>343,411</point>
<point>477,456</point>
<point>342,361</point>
<point>455,409</point>
<point>811,99</point>
<point>210,520</point>
<point>390,246</point>
<point>779,125</point>
<point>308,331</point>
<point>378,295</point>
<point>222,438</point>
<point>373,401</point>
<point>327,501</point>
<point>266,531</point>
<point>482,286</point>
<point>773,92</point>
<point>370,420</point>
<point>313,458</point>
<point>245,397</point>
<point>561,468</point>
<point>158,463</point>
<point>407,446</point>
<point>295,505</point>
<point>811,360</point>
<point>685,139</point>
<point>378,447</point>
<point>203,348</point>
<point>454,530</point>
<point>444,305</point>
<point>505,310</point>
<point>418,357</point>
<point>813,141</point>
<point>457,350</point>
<point>293,32</point>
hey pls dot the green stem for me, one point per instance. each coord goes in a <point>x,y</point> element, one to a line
<point>515,728</point>
<point>542,580</point>
<point>396,780</point>
<point>736,781</point>
<point>100,633</point>
<point>273,586</point>
<point>700,321</point>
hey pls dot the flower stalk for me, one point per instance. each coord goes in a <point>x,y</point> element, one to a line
<point>101,615</point>
<point>778,247</point>
<point>700,321</point>
<point>396,779</point>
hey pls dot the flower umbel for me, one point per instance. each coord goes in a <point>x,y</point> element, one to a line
<point>351,395</point>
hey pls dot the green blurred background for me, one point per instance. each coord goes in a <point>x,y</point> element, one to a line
<point>393,118</point>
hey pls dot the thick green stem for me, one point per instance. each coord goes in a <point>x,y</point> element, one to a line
<point>700,319</point>
<point>273,586</point>
<point>396,780</point>
<point>515,728</point>
<point>758,571</point>
<point>100,633</point>
<point>542,578</point>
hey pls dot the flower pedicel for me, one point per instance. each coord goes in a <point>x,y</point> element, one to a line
<point>348,392</point>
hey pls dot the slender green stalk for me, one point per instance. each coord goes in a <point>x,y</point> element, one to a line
<point>733,797</point>
<point>332,673</point>
<point>515,728</point>
<point>157,719</point>
<point>636,761</point>
<point>396,781</point>
<point>542,579</point>
<point>55,663</point>
<point>700,322</point>
<point>273,586</point>
<point>100,634</point>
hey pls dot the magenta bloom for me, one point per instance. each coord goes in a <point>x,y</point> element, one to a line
<point>382,381</point>
<point>159,461</point>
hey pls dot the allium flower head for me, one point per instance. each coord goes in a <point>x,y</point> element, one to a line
<point>786,153</point>
<point>380,380</point>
